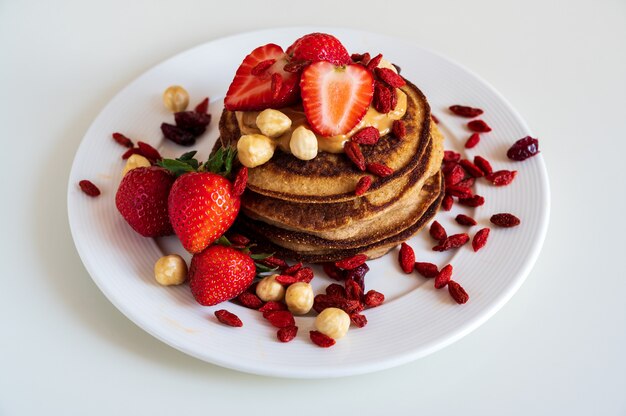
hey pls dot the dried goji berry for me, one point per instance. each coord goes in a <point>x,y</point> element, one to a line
<point>501,177</point>
<point>292,269</point>
<point>456,175</point>
<point>379,169</point>
<point>130,152</point>
<point>505,220</point>
<point>406,257</point>
<point>465,111</point>
<point>398,129</point>
<point>447,167</point>
<point>177,135</point>
<point>459,191</point>
<point>451,156</point>
<point>305,275</point>
<point>367,135</point>
<point>228,318</point>
<point>358,320</point>
<point>321,340</point>
<point>360,57</point>
<point>457,292</point>
<point>373,63</point>
<point>250,300</point>
<point>389,77</point>
<point>295,65</point>
<point>467,182</point>
<point>276,85</point>
<point>272,306</point>
<point>434,118</point>
<point>474,201</point>
<point>463,219</point>
<point>262,66</point>
<point>333,271</point>
<point>483,164</point>
<point>89,188</point>
<point>373,299</point>
<point>382,98</point>
<point>353,152</point>
<point>351,262</point>
<point>523,149</point>
<point>447,202</point>
<point>479,126</point>
<point>454,241</point>
<point>426,269</point>
<point>471,168</point>
<point>285,279</point>
<point>480,239</point>
<point>393,98</point>
<point>239,240</point>
<point>280,319</point>
<point>273,261</point>
<point>363,185</point>
<point>437,231</point>
<point>241,180</point>
<point>148,151</point>
<point>123,140</point>
<point>353,290</point>
<point>335,289</point>
<point>472,141</point>
<point>443,277</point>
<point>287,333</point>
<point>203,106</point>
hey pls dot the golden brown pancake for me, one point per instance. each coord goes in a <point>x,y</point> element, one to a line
<point>332,177</point>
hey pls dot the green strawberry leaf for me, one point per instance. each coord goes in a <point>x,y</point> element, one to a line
<point>221,162</point>
<point>223,241</point>
<point>177,167</point>
<point>261,256</point>
<point>261,268</point>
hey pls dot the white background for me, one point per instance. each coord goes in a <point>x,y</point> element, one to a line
<point>556,348</point>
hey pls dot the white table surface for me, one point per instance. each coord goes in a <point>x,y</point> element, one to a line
<point>558,347</point>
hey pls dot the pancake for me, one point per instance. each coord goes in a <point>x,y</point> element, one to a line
<point>353,219</point>
<point>332,177</point>
<point>432,191</point>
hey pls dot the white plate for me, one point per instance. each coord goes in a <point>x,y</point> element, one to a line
<point>416,319</point>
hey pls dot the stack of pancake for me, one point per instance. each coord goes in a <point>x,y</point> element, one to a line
<point>308,210</point>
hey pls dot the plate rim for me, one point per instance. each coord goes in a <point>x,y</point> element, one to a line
<point>352,369</point>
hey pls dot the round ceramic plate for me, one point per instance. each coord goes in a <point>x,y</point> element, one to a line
<point>415,320</point>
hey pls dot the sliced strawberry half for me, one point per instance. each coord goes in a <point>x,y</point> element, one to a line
<point>251,88</point>
<point>335,98</point>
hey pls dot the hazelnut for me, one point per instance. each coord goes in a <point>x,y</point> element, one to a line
<point>176,98</point>
<point>386,64</point>
<point>135,161</point>
<point>333,322</point>
<point>269,289</point>
<point>303,143</point>
<point>170,270</point>
<point>255,149</point>
<point>299,298</point>
<point>272,123</point>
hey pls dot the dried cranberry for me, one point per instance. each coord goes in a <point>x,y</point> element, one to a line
<point>523,149</point>
<point>177,135</point>
<point>333,271</point>
<point>192,121</point>
<point>358,275</point>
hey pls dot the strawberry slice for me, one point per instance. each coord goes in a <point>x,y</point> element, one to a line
<point>251,88</point>
<point>335,98</point>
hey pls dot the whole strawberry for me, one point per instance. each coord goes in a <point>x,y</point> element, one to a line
<point>220,273</point>
<point>142,200</point>
<point>316,47</point>
<point>202,206</point>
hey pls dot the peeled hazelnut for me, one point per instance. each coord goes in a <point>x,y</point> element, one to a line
<point>255,149</point>
<point>135,161</point>
<point>272,123</point>
<point>333,322</point>
<point>170,270</point>
<point>303,143</point>
<point>299,298</point>
<point>269,289</point>
<point>176,98</point>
